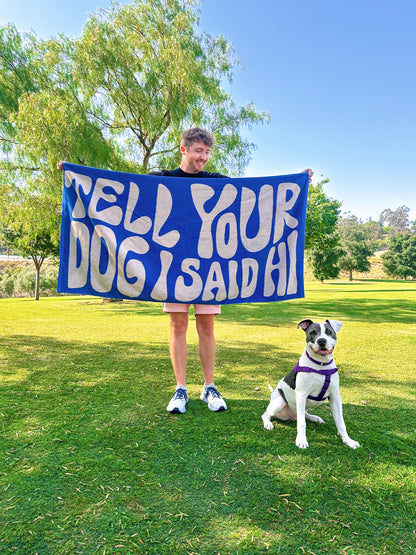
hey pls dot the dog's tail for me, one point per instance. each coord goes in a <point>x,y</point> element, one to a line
<point>271,389</point>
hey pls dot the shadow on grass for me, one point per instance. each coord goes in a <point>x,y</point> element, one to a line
<point>378,310</point>
<point>91,460</point>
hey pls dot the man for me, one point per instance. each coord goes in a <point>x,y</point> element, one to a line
<point>196,147</point>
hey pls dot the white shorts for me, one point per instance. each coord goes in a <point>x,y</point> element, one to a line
<point>198,308</point>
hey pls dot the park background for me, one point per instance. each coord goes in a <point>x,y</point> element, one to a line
<point>91,462</point>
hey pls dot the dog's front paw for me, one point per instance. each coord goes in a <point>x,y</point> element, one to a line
<point>351,443</point>
<point>268,424</point>
<point>302,442</point>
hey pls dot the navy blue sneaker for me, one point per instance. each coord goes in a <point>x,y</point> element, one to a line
<point>211,396</point>
<point>178,402</point>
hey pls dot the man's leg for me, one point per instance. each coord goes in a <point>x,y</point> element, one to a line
<point>178,321</point>
<point>178,347</point>
<point>205,329</point>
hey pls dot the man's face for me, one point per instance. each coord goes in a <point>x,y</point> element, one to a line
<point>194,157</point>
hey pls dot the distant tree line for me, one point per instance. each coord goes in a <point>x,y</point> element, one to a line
<point>353,242</point>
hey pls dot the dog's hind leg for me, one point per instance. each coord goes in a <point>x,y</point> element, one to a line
<point>277,407</point>
<point>314,418</point>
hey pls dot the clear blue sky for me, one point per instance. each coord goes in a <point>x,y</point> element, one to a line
<point>337,77</point>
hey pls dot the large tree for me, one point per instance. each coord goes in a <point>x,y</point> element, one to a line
<point>400,259</point>
<point>321,239</point>
<point>324,257</point>
<point>118,97</point>
<point>151,74</point>
<point>358,244</point>
<point>397,219</point>
<point>322,215</point>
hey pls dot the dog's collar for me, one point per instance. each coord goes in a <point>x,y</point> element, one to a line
<point>317,361</point>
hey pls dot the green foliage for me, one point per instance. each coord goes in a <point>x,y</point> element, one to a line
<point>7,283</point>
<point>324,257</point>
<point>156,75</point>
<point>321,217</point>
<point>21,280</point>
<point>91,462</point>
<point>117,97</point>
<point>397,219</point>
<point>400,259</point>
<point>321,239</point>
<point>358,244</point>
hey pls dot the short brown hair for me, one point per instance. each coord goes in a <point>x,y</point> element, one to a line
<point>197,135</point>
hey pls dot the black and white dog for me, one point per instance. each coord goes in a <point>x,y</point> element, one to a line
<point>313,380</point>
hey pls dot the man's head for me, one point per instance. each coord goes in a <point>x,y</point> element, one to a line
<point>196,146</point>
<point>197,135</point>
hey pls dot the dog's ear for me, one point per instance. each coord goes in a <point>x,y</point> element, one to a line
<point>304,324</point>
<point>335,325</point>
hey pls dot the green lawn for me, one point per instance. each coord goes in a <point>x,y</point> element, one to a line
<point>92,463</point>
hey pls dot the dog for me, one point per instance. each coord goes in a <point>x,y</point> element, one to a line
<point>313,380</point>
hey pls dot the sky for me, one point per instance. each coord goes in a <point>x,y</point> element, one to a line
<point>336,76</point>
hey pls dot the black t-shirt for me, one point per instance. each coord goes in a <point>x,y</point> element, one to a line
<point>180,173</point>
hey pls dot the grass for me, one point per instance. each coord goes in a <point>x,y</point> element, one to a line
<point>92,463</point>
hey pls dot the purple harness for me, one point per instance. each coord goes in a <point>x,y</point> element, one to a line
<point>326,373</point>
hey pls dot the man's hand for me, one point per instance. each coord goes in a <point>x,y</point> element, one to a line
<point>60,165</point>
<point>310,172</point>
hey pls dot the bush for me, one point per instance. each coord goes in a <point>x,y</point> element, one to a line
<point>20,281</point>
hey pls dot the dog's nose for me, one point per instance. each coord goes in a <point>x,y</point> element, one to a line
<point>321,342</point>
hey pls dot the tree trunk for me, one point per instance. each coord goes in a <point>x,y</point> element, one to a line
<point>38,260</point>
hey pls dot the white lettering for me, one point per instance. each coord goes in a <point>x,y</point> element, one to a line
<point>265,210</point>
<point>160,290</point>
<point>187,293</point>
<point>79,250</point>
<point>140,225</point>
<point>269,284</point>
<point>282,209</point>
<point>103,245</point>
<point>227,228</point>
<point>250,274</point>
<point>133,269</point>
<point>292,286</point>
<point>233,290</point>
<point>201,194</point>
<point>113,214</point>
<point>215,280</point>
<point>163,210</point>
<point>80,181</point>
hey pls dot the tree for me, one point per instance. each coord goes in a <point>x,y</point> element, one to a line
<point>357,244</point>
<point>400,259</point>
<point>158,75</point>
<point>33,136</point>
<point>321,216</point>
<point>321,239</point>
<point>118,97</point>
<point>398,219</point>
<point>33,236</point>
<point>325,257</point>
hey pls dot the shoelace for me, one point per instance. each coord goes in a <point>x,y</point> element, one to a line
<point>180,394</point>
<point>212,391</point>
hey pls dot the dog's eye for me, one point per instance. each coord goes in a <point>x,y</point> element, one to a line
<point>329,332</point>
